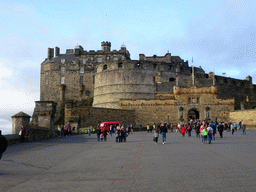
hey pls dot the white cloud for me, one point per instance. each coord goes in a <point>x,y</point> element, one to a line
<point>18,99</point>
<point>4,72</point>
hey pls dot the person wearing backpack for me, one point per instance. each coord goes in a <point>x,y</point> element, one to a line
<point>205,134</point>
<point>210,133</point>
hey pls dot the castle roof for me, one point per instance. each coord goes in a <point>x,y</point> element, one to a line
<point>67,57</point>
<point>21,114</point>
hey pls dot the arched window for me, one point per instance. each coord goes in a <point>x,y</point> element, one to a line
<point>181,112</point>
<point>120,64</point>
<point>105,67</point>
<point>207,112</point>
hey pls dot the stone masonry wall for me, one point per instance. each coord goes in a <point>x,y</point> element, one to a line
<point>247,116</point>
<point>94,116</point>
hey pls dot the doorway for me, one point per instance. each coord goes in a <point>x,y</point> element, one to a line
<point>193,114</point>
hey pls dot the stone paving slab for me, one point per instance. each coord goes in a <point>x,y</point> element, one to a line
<point>81,163</point>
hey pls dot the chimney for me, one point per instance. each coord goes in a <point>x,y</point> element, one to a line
<point>50,53</point>
<point>57,51</point>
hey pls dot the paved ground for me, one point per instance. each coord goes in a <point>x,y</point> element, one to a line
<point>80,163</point>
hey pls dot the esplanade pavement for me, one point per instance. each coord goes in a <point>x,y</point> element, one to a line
<point>81,163</point>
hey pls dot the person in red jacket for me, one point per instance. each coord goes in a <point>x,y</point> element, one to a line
<point>183,130</point>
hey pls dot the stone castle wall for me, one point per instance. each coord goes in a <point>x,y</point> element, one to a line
<point>247,116</point>
<point>109,79</point>
<point>175,107</point>
<point>87,116</point>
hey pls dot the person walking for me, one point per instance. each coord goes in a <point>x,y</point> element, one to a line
<point>213,125</point>
<point>156,134</point>
<point>232,128</point>
<point>105,134</point>
<point>164,131</point>
<point>111,130</point>
<point>243,128</point>
<point>201,134</point>
<point>189,130</point>
<point>220,129</point>
<point>131,127</point>
<point>205,134</point>
<point>98,132</point>
<point>59,130</point>
<point>210,132</point>
<point>140,129</point>
<point>123,134</point>
<point>183,130</point>
<point>117,135</point>
<point>148,129</point>
<point>90,131</point>
<point>235,125</point>
<point>197,130</point>
<point>3,144</point>
<point>23,133</point>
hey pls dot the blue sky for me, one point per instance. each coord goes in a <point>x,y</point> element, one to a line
<point>220,35</point>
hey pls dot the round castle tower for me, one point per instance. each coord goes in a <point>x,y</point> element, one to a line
<point>127,79</point>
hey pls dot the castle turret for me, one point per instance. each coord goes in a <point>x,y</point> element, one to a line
<point>105,46</point>
<point>78,49</point>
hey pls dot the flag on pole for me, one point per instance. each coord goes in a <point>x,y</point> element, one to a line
<point>192,59</point>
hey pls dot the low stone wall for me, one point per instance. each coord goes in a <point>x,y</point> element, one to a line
<point>247,116</point>
<point>34,134</point>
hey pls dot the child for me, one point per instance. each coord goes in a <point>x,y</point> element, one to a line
<point>116,135</point>
<point>101,136</point>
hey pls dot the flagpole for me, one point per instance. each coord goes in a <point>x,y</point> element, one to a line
<point>193,78</point>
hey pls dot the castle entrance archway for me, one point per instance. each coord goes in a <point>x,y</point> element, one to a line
<point>193,114</point>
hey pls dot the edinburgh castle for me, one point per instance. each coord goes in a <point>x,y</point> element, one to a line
<point>84,88</point>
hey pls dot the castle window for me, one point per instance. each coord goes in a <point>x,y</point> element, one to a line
<point>81,80</point>
<point>62,80</point>
<point>137,64</point>
<point>171,79</point>
<point>105,67</point>
<point>62,70</point>
<point>181,113</point>
<point>84,61</point>
<point>81,69</point>
<point>74,62</point>
<point>207,112</point>
<point>115,58</point>
<point>62,61</point>
<point>46,81</point>
<point>120,64</point>
<point>99,60</point>
<point>93,79</point>
<point>87,92</point>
